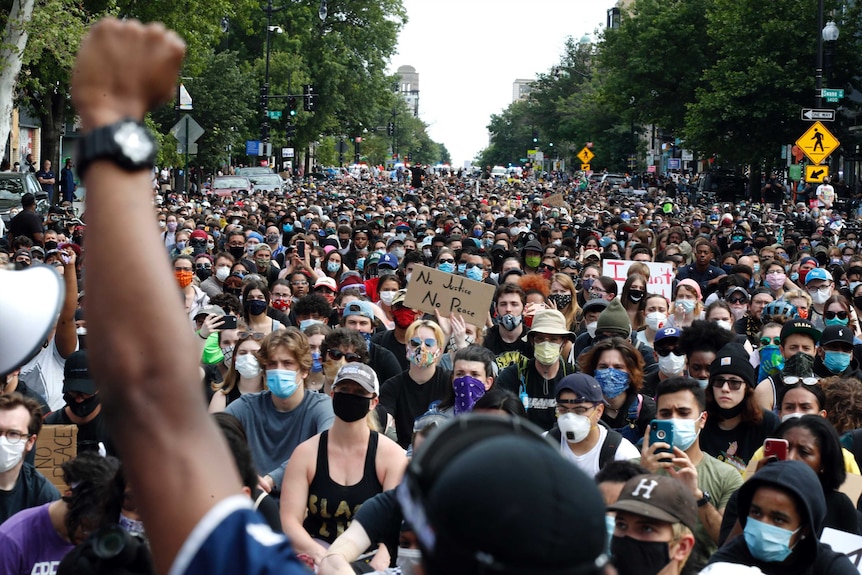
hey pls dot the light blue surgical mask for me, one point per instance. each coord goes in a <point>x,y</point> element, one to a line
<point>837,361</point>
<point>684,433</point>
<point>766,542</point>
<point>687,305</point>
<point>316,363</point>
<point>610,525</point>
<point>281,382</point>
<point>474,273</point>
<point>446,267</point>
<point>333,267</point>
<point>462,269</point>
<point>837,321</point>
<point>306,323</point>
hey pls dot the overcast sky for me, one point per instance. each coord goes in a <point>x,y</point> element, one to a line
<point>469,52</point>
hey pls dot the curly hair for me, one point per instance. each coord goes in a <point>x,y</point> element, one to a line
<point>631,357</point>
<point>348,339</point>
<point>90,478</point>
<point>292,339</point>
<point>843,402</point>
<point>832,470</point>
<point>703,335</point>
<point>535,283</point>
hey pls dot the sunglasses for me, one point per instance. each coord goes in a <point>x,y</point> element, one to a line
<point>833,314</point>
<point>544,267</point>
<point>737,300</point>
<point>767,341</point>
<point>255,335</point>
<point>733,384</point>
<point>665,351</point>
<point>429,342</point>
<point>204,266</point>
<point>446,261</point>
<point>337,354</point>
<point>793,380</point>
<point>480,266</point>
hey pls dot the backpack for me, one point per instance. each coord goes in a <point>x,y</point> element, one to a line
<point>523,366</point>
<point>609,446</point>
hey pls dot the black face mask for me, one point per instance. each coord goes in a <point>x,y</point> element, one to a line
<point>237,252</point>
<point>857,301</point>
<point>633,557</point>
<point>635,296</point>
<point>348,407</point>
<point>203,273</point>
<point>562,300</point>
<point>50,246</point>
<point>84,408</point>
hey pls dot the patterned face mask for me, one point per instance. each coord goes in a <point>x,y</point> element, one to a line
<point>467,390</point>
<point>613,381</point>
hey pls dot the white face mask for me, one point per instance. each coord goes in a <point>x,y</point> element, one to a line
<point>725,324</point>
<point>387,297</point>
<point>247,366</point>
<point>671,364</point>
<point>10,453</point>
<point>408,560</point>
<point>591,328</point>
<point>821,295</point>
<point>790,416</point>
<point>656,320</point>
<point>573,427</point>
<point>222,272</point>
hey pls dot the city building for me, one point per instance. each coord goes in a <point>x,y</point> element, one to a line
<point>408,87</point>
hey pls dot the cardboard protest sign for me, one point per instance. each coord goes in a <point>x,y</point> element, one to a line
<point>849,544</point>
<point>556,200</point>
<point>660,281</point>
<point>431,290</point>
<point>55,445</point>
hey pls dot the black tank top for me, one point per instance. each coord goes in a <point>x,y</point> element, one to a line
<point>331,506</point>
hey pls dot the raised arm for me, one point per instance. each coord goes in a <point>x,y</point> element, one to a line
<point>147,365</point>
<point>66,337</point>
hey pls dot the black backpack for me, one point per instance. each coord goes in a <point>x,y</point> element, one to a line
<point>609,447</point>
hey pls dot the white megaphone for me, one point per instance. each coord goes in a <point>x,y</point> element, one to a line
<point>30,302</point>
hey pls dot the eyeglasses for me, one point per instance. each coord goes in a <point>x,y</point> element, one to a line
<point>544,267</point>
<point>737,300</point>
<point>13,436</point>
<point>793,380</point>
<point>429,342</point>
<point>577,410</point>
<point>337,354</point>
<point>767,341</point>
<point>446,261</point>
<point>733,384</point>
<point>833,314</point>
<point>255,335</point>
<point>597,290</point>
<point>203,266</point>
<point>299,283</point>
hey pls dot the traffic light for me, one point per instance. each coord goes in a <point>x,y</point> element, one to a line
<point>291,131</point>
<point>309,98</point>
<point>264,131</point>
<point>264,96</point>
<point>390,129</point>
<point>291,105</point>
<point>535,137</point>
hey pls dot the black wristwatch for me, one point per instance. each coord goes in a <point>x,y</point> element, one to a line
<point>707,498</point>
<point>126,143</point>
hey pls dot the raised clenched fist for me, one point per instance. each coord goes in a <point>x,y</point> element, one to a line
<point>124,69</point>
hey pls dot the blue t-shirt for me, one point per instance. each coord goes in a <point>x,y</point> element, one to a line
<point>232,538</point>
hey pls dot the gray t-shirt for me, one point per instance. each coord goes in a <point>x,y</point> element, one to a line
<point>272,434</point>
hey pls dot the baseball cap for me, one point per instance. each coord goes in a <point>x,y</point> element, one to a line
<point>362,308</point>
<point>807,259</point>
<point>736,289</point>
<point>818,274</point>
<point>358,373</point>
<point>658,497</point>
<point>388,260</point>
<point>592,254</point>
<point>28,199</point>
<point>534,246</point>
<point>802,326</point>
<point>210,310</point>
<point>595,305</point>
<point>326,282</point>
<point>837,334</point>
<point>585,388</point>
<point>732,359</point>
<point>76,374</point>
<point>394,241</point>
<point>198,235</point>
<point>667,332</point>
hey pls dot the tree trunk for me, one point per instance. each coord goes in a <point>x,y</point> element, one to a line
<point>11,49</point>
<point>52,116</point>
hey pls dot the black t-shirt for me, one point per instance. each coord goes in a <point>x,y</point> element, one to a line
<point>507,353</point>
<point>541,401</point>
<point>381,518</point>
<point>383,362</point>
<point>26,223</point>
<point>633,418</point>
<point>736,446</point>
<point>406,400</point>
<point>386,339</point>
<point>90,434</point>
<point>31,490</point>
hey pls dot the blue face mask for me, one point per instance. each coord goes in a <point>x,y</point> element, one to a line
<point>684,433</point>
<point>462,268</point>
<point>613,381</point>
<point>477,233</point>
<point>287,228</point>
<point>360,264</point>
<point>367,338</point>
<point>281,382</point>
<point>766,542</point>
<point>837,321</point>
<point>333,267</point>
<point>794,277</point>
<point>316,364</point>
<point>306,323</point>
<point>474,273</point>
<point>610,525</point>
<point>686,304</point>
<point>771,360</point>
<point>837,361</point>
<point>446,267</point>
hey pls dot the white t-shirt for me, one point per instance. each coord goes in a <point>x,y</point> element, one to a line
<point>44,375</point>
<point>589,462</point>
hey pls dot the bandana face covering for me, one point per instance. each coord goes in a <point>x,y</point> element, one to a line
<point>184,277</point>
<point>468,390</point>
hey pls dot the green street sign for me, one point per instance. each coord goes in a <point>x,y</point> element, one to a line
<point>795,171</point>
<point>523,159</point>
<point>832,94</point>
<point>275,114</point>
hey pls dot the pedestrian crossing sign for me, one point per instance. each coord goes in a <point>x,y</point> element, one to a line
<point>586,155</point>
<point>817,142</point>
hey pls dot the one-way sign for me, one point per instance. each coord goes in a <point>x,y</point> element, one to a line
<point>813,115</point>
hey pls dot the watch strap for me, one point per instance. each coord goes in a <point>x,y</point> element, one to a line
<point>707,498</point>
<point>101,144</point>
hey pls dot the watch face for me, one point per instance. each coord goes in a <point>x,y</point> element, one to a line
<point>135,142</point>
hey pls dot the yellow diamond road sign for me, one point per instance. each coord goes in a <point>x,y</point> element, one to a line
<point>586,155</point>
<point>817,142</point>
<point>816,174</point>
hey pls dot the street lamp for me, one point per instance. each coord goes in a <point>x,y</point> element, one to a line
<point>264,125</point>
<point>322,11</point>
<point>828,33</point>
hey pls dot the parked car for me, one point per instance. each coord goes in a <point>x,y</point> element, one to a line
<point>13,186</point>
<point>267,183</point>
<point>613,181</point>
<point>721,186</point>
<point>230,186</point>
<point>253,171</point>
